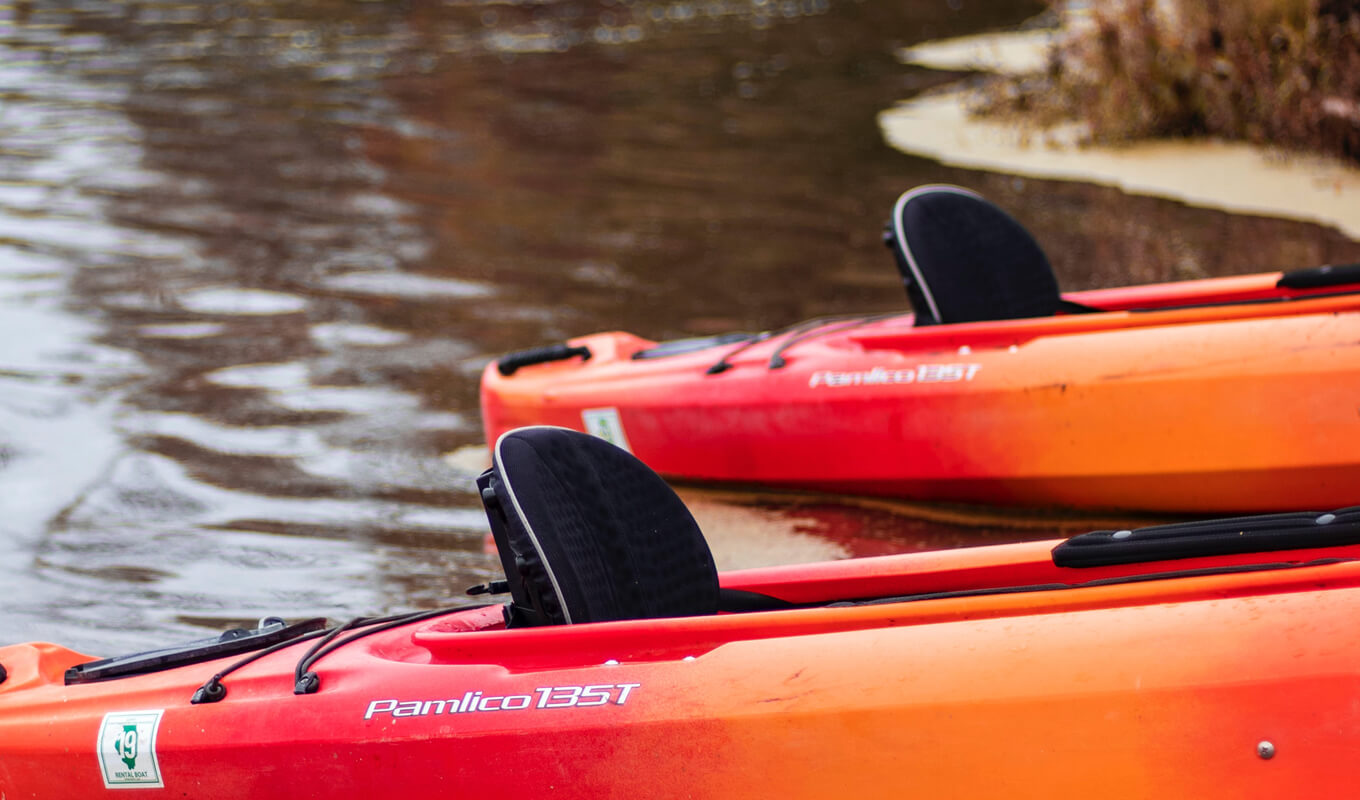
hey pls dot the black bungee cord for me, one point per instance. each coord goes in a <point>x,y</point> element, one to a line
<point>777,357</point>
<point>212,689</point>
<point>722,365</point>
<point>304,680</point>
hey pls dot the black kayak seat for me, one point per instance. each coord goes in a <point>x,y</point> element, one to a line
<point>964,259</point>
<point>588,533</point>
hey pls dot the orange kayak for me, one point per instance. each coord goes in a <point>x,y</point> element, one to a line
<point>1208,660</point>
<point>1234,394</point>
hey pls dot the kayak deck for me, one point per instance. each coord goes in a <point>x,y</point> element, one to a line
<point>1221,395</point>
<point>1199,659</point>
<point>1223,408</point>
<point>1165,686</point>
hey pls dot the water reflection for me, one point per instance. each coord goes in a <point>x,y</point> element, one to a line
<point>253,256</point>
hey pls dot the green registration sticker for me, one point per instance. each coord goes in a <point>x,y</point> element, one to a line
<point>127,750</point>
<point>605,423</point>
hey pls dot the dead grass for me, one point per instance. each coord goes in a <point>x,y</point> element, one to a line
<point>1276,72</point>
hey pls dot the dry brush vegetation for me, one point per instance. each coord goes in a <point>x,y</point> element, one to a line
<point>1284,73</point>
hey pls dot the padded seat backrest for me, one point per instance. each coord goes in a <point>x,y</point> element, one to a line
<point>965,260</point>
<point>588,533</point>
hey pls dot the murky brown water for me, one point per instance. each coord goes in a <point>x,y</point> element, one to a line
<point>253,256</point>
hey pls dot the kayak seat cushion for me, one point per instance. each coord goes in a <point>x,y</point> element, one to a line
<point>588,533</point>
<point>964,259</point>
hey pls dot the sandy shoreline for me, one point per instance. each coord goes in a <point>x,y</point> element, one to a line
<point>1229,176</point>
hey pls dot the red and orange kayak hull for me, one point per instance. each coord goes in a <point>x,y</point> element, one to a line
<point>1230,395</point>
<point>1208,684</point>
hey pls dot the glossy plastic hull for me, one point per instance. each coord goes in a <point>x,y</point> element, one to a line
<point>1153,688</point>
<point>1243,404</point>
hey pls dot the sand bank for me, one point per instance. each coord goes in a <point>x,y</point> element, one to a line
<point>1230,176</point>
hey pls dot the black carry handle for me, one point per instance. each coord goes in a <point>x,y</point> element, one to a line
<point>1318,277</point>
<point>1264,533</point>
<point>540,355</point>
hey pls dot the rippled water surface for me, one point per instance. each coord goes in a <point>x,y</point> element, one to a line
<point>254,255</point>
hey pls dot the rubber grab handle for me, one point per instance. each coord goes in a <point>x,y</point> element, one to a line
<point>540,355</point>
<point>1317,277</point>
<point>1263,533</point>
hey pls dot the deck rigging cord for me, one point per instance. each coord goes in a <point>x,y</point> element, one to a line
<point>777,357</point>
<point>806,326</point>
<point>306,681</point>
